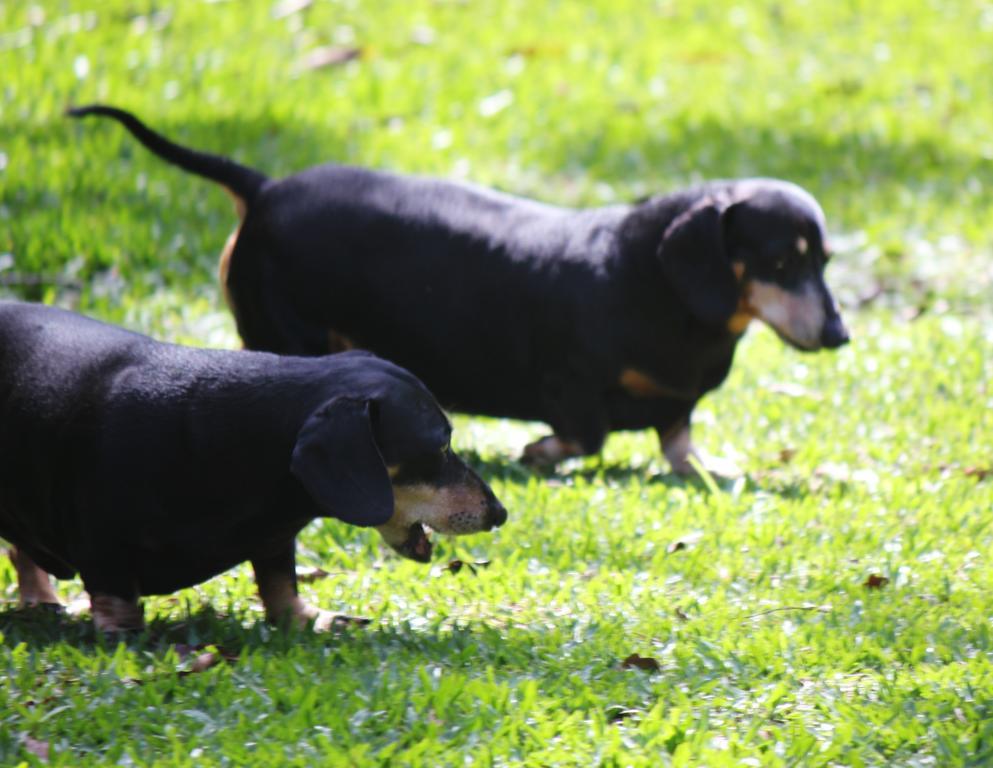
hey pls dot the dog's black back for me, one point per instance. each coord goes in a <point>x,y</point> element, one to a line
<point>486,295</point>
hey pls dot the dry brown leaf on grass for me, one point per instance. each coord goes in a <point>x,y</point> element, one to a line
<point>875,581</point>
<point>330,56</point>
<point>980,473</point>
<point>456,565</point>
<point>36,747</point>
<point>531,51</point>
<point>616,713</point>
<point>685,541</point>
<point>204,656</point>
<point>789,389</point>
<point>644,663</point>
<point>308,575</point>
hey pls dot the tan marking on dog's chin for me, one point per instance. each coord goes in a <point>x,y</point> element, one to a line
<point>34,585</point>
<point>798,317</point>
<point>115,614</point>
<point>639,384</point>
<point>339,342</point>
<point>224,269</point>
<point>551,450</point>
<point>454,510</point>
<point>743,314</point>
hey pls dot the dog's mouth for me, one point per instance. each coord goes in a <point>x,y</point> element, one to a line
<point>417,546</point>
<point>802,346</point>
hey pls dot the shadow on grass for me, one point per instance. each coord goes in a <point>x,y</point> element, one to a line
<point>205,628</point>
<point>593,470</point>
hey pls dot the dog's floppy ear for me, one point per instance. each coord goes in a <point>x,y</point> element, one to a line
<point>695,261</point>
<point>337,461</point>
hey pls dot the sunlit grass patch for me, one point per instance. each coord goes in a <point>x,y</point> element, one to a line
<point>831,607</point>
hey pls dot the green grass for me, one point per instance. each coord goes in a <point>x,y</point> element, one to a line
<point>871,461</point>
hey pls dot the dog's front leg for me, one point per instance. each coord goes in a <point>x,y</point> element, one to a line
<point>678,449</point>
<point>113,598</point>
<point>276,579</point>
<point>34,585</point>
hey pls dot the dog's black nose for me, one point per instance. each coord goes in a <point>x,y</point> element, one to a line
<point>497,515</point>
<point>834,334</point>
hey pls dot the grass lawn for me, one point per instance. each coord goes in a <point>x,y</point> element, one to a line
<point>832,607</point>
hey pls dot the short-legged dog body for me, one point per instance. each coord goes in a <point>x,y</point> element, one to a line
<point>148,467</point>
<point>590,320</point>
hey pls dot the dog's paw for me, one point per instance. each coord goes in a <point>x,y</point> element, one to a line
<point>112,614</point>
<point>549,451</point>
<point>325,621</point>
<point>718,467</point>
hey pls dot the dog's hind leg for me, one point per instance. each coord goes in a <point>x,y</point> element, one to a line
<point>577,418</point>
<point>33,583</point>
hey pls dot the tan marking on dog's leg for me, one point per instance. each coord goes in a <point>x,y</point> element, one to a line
<point>115,614</point>
<point>639,384</point>
<point>678,448</point>
<point>280,598</point>
<point>224,269</point>
<point>282,603</point>
<point>550,450</point>
<point>34,585</point>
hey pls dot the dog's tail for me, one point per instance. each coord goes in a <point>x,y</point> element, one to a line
<point>242,182</point>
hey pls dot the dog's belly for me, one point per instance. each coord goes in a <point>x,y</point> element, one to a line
<point>629,413</point>
<point>174,560</point>
<point>488,397</point>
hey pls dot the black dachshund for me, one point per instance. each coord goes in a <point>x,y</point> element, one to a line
<point>148,467</point>
<point>590,320</point>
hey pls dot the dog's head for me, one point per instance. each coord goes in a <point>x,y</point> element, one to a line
<point>760,255</point>
<point>385,460</point>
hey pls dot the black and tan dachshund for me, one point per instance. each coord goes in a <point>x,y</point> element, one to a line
<point>590,320</point>
<point>147,467</point>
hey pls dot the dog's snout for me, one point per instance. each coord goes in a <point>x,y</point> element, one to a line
<point>834,334</point>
